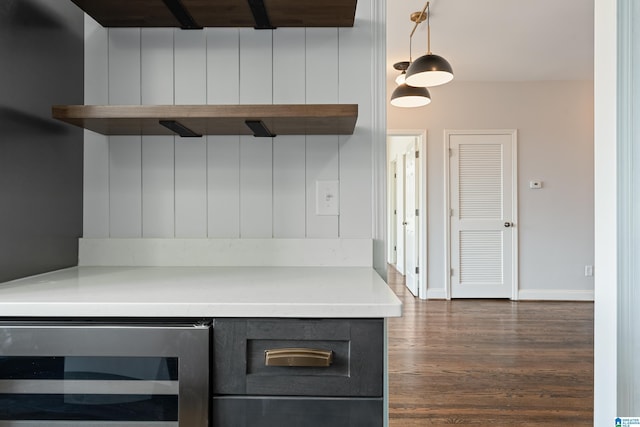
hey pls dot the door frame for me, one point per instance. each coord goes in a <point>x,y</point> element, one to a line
<point>514,208</point>
<point>421,135</point>
<point>392,209</point>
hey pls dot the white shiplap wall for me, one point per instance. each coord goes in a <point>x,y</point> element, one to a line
<point>228,187</point>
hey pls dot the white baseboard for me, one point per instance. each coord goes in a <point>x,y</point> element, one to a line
<point>555,295</point>
<point>436,293</point>
<point>533,294</point>
<point>226,252</point>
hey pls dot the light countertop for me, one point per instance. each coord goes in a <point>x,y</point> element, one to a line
<point>320,292</point>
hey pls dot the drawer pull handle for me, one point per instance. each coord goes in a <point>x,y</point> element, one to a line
<point>304,357</point>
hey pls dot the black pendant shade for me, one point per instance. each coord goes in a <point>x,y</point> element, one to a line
<point>410,96</point>
<point>429,70</point>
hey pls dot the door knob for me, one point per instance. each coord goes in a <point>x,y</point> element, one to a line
<point>404,223</point>
<point>508,224</point>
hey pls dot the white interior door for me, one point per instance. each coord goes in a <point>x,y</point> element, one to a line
<point>400,216</point>
<point>410,223</point>
<point>482,215</point>
<point>397,145</point>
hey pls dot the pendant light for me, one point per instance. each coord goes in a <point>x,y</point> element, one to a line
<point>408,96</point>
<point>429,70</point>
<point>404,95</point>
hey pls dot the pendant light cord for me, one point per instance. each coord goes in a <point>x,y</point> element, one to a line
<point>428,29</point>
<point>418,20</point>
<point>410,53</point>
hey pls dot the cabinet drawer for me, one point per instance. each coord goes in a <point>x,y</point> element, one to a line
<point>297,412</point>
<point>356,346</point>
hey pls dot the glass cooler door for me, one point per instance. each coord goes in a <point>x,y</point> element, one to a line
<point>104,375</point>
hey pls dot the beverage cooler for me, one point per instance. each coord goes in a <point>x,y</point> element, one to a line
<point>88,373</point>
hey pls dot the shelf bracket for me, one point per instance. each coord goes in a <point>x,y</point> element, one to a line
<point>182,15</point>
<point>179,128</point>
<point>259,129</point>
<point>260,15</point>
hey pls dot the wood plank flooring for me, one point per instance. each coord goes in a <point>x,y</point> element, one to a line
<point>490,362</point>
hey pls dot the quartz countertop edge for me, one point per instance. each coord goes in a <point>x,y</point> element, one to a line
<point>193,292</point>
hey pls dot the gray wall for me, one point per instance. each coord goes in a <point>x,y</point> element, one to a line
<point>42,63</point>
<point>554,120</point>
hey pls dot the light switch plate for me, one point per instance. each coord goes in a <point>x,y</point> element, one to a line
<point>535,184</point>
<point>327,197</point>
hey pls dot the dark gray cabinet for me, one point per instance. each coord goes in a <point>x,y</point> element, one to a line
<point>347,393</point>
<point>322,372</point>
<point>263,411</point>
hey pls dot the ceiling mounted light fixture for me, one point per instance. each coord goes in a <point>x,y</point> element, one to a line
<point>408,96</point>
<point>428,70</point>
<point>404,95</point>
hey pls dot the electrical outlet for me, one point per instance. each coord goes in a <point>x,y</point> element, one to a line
<point>588,270</point>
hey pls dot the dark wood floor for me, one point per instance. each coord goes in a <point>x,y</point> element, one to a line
<point>490,362</point>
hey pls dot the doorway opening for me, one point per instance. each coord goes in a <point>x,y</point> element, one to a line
<point>406,207</point>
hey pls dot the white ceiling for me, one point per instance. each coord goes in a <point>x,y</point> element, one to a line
<point>498,40</point>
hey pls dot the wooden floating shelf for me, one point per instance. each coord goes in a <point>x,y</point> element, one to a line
<point>221,13</point>
<point>196,120</point>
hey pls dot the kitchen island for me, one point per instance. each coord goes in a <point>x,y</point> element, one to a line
<point>252,346</point>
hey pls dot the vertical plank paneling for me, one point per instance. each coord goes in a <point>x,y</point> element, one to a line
<point>96,146</point>
<point>256,66</point>
<point>322,160</point>
<point>322,165</point>
<point>322,65</point>
<point>191,187</point>
<point>224,186</point>
<point>228,186</point>
<point>157,66</point>
<point>158,219</point>
<point>157,151</point>
<point>223,66</point>
<point>190,67</point>
<point>124,66</point>
<point>126,186</point>
<point>96,62</point>
<point>256,176</point>
<point>289,178</point>
<point>95,203</point>
<point>289,187</point>
<point>125,167</point>
<point>190,153</point>
<point>289,79</point>
<point>356,167</point>
<point>223,87</point>
<point>256,154</point>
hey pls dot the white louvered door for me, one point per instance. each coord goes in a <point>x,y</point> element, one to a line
<point>482,215</point>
